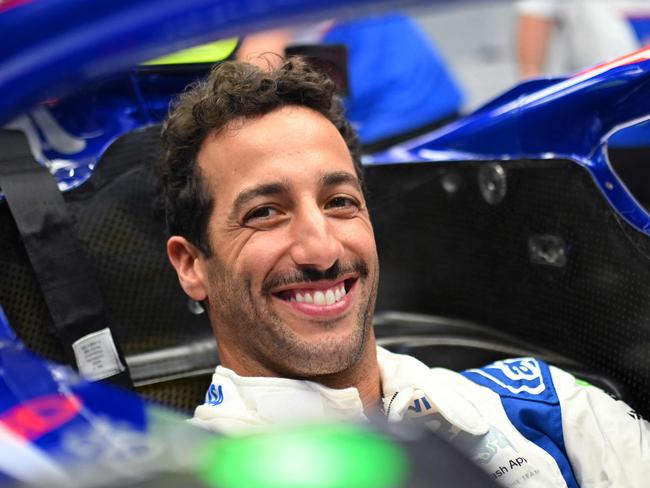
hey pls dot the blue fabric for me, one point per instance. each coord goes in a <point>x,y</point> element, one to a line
<point>529,399</point>
<point>398,81</point>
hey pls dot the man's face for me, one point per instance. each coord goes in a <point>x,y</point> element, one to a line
<point>292,280</point>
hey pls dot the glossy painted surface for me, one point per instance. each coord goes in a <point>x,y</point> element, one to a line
<point>68,42</point>
<point>48,67</point>
<point>76,41</point>
<point>568,118</point>
<point>70,134</point>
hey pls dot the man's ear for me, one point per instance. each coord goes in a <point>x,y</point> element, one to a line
<point>188,262</point>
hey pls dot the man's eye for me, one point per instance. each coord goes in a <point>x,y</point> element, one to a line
<point>343,206</point>
<point>261,213</point>
<point>342,202</point>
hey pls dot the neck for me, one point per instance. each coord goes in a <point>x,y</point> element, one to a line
<point>363,375</point>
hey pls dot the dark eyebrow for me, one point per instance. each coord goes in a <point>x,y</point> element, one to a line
<point>265,190</point>
<point>338,178</point>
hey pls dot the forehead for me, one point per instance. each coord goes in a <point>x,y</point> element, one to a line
<point>292,144</point>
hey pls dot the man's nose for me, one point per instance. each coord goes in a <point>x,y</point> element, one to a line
<point>315,242</point>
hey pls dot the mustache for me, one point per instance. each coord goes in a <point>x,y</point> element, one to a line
<point>310,274</point>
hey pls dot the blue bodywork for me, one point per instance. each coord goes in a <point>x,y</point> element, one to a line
<point>74,41</point>
<point>50,47</point>
<point>570,118</point>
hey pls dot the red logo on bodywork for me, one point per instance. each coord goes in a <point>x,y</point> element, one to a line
<point>9,4</point>
<point>41,415</point>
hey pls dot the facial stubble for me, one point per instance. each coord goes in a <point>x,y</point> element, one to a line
<point>249,321</point>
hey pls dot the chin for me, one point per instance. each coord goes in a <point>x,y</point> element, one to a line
<point>331,355</point>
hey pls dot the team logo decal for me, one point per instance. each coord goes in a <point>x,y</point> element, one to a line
<point>515,375</point>
<point>214,396</point>
<point>42,415</point>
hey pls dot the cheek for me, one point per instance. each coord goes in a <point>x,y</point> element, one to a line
<point>258,257</point>
<point>358,236</point>
<point>245,251</point>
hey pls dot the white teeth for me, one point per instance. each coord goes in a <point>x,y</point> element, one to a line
<point>319,298</point>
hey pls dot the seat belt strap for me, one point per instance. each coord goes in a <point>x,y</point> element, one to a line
<point>59,262</point>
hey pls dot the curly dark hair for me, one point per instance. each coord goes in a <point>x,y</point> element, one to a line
<point>233,90</point>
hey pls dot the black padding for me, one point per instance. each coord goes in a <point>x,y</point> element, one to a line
<point>450,253</point>
<point>65,278</point>
<point>125,243</point>
<point>126,240</point>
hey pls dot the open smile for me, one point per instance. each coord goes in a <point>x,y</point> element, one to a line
<point>321,298</point>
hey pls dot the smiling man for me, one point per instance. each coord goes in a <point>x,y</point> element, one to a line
<point>263,194</point>
<point>287,265</point>
<point>294,279</point>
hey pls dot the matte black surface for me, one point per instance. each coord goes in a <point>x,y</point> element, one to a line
<point>452,254</point>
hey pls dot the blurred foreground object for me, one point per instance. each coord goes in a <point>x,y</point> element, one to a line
<point>57,429</point>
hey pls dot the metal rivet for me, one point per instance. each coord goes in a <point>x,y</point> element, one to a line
<point>492,183</point>
<point>451,182</point>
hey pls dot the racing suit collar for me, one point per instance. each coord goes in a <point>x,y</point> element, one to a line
<point>238,402</point>
<point>283,400</point>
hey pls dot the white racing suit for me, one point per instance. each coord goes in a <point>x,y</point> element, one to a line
<point>525,423</point>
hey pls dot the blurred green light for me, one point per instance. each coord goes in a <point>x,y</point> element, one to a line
<point>323,456</point>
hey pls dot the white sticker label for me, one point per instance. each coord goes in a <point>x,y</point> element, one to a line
<point>97,355</point>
